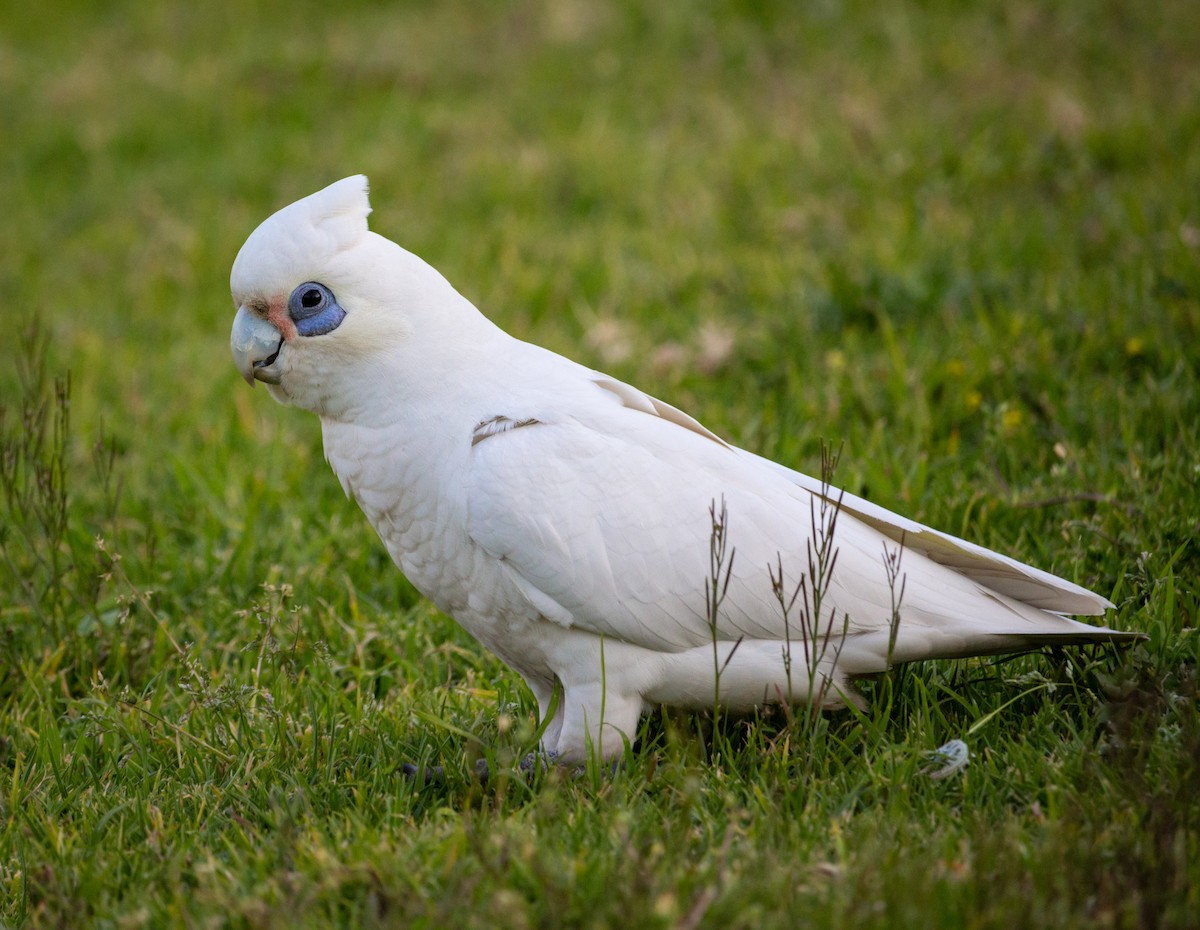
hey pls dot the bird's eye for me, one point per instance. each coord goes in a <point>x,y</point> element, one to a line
<point>314,309</point>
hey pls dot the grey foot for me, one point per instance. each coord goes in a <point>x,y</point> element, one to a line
<point>436,774</point>
<point>433,773</point>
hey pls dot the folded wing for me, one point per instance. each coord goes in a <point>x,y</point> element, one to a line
<point>602,515</point>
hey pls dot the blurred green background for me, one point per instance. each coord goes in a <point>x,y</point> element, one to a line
<point>962,242</point>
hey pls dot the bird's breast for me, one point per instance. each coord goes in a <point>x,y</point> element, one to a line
<point>414,496</point>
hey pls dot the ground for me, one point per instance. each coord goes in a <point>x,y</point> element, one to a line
<point>960,243</point>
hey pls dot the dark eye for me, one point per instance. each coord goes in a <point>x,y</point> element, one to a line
<point>314,309</point>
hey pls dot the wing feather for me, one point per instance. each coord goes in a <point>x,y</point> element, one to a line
<point>998,572</point>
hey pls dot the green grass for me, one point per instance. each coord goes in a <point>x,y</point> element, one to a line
<point>962,243</point>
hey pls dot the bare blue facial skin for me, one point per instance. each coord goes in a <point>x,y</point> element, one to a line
<point>314,309</point>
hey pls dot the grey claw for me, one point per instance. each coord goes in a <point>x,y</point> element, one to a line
<point>527,766</point>
<point>433,773</point>
<point>537,760</point>
<point>608,770</point>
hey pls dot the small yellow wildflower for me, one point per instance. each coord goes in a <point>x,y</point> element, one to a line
<point>1010,419</point>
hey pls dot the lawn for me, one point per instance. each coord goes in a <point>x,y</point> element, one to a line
<point>960,243</point>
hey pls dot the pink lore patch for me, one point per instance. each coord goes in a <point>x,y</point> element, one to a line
<point>277,315</point>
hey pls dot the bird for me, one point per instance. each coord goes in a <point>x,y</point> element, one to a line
<point>605,545</point>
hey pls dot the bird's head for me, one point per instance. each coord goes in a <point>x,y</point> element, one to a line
<point>324,305</point>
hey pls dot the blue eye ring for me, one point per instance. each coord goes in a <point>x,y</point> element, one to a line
<point>314,309</point>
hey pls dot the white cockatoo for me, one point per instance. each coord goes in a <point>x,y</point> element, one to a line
<point>575,526</point>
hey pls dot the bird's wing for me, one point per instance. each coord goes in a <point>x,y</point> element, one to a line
<point>604,518</point>
<point>601,514</point>
<point>995,571</point>
<point>596,527</point>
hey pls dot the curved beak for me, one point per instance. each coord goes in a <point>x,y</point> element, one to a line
<point>255,344</point>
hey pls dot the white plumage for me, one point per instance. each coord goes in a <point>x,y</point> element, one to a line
<point>563,517</point>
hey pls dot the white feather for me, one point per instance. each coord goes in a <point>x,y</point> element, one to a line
<point>563,517</point>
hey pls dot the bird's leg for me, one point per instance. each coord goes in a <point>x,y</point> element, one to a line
<point>589,713</point>
<point>597,720</point>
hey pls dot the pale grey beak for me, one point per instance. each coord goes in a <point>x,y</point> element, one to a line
<point>255,344</point>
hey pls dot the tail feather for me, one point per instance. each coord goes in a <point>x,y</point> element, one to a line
<point>995,624</point>
<point>997,572</point>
